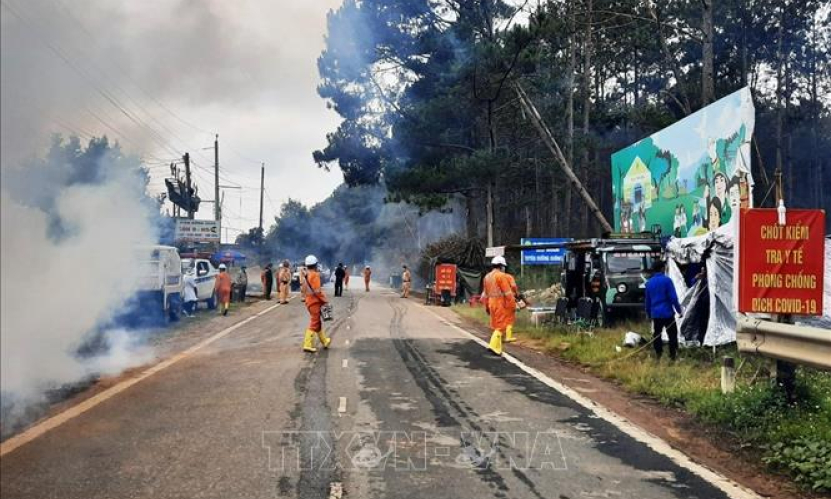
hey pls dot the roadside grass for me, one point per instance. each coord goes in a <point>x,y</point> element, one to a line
<point>791,438</point>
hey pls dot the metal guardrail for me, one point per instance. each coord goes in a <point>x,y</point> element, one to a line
<point>809,346</point>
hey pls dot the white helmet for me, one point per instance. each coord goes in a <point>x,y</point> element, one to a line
<point>311,260</point>
<point>222,266</point>
<point>499,260</point>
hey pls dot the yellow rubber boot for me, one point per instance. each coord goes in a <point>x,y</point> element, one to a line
<point>323,339</point>
<point>495,345</point>
<point>509,334</point>
<point>309,342</point>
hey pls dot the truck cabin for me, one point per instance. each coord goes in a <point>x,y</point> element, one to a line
<point>609,270</point>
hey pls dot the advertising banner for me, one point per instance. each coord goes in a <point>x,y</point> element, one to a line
<point>781,267</point>
<point>548,256</point>
<point>196,231</point>
<point>686,177</point>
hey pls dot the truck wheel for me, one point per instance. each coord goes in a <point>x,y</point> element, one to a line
<point>212,301</point>
<point>174,306</point>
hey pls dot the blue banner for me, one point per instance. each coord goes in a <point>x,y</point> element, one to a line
<point>550,256</point>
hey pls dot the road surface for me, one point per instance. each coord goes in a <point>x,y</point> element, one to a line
<point>403,405</point>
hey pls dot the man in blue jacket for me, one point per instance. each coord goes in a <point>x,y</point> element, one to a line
<point>661,303</point>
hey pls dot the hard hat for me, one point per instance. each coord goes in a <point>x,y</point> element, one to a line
<point>499,260</point>
<point>222,266</point>
<point>311,260</point>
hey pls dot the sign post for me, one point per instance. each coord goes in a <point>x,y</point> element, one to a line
<point>781,266</point>
<point>547,256</point>
<point>196,231</point>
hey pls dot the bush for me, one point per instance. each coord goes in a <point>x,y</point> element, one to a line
<point>807,460</point>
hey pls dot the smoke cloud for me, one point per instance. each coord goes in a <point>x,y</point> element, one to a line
<point>68,267</point>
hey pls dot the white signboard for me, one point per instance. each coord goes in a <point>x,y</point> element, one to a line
<point>188,230</point>
<point>495,251</point>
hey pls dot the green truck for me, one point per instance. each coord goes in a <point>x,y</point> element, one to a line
<point>611,272</point>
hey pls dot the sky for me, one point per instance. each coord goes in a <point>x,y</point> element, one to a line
<point>163,77</point>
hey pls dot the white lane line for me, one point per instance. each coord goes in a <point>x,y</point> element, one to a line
<point>345,363</point>
<point>729,487</point>
<point>61,418</point>
<point>341,405</point>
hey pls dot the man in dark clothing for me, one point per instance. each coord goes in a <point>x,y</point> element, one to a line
<point>340,273</point>
<point>268,281</point>
<point>661,303</point>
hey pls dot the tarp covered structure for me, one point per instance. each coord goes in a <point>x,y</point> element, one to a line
<point>709,307</point>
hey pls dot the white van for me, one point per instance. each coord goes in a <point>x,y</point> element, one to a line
<point>204,274</point>
<point>161,279</point>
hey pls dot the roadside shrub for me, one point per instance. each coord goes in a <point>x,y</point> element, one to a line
<point>807,460</point>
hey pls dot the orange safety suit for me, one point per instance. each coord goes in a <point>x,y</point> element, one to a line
<point>283,281</point>
<point>515,291</point>
<point>500,303</point>
<point>314,300</point>
<point>346,278</point>
<point>223,287</point>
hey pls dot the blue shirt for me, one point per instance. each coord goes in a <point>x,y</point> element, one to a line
<point>660,298</point>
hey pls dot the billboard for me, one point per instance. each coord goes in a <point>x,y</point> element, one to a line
<point>781,267</point>
<point>196,231</point>
<point>548,256</point>
<point>685,177</point>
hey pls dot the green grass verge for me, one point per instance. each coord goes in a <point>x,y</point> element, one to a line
<point>793,438</point>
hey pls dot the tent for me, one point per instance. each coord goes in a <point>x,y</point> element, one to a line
<point>709,307</point>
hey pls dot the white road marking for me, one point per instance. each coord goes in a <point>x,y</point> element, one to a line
<point>341,405</point>
<point>729,487</point>
<point>61,418</point>
<point>345,363</point>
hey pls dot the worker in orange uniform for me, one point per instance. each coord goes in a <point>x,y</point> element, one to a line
<point>367,276</point>
<point>406,282</point>
<point>223,289</point>
<point>284,281</point>
<point>346,277</point>
<point>315,299</point>
<point>500,299</point>
<point>509,329</point>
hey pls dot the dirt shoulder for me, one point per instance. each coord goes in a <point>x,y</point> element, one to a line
<point>705,445</point>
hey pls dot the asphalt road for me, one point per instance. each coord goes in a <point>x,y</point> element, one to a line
<point>402,405</point>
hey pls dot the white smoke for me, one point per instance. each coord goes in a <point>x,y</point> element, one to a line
<point>58,290</point>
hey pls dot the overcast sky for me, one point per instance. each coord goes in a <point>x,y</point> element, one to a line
<point>183,70</point>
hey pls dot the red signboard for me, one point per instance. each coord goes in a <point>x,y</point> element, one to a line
<point>781,266</point>
<point>446,278</point>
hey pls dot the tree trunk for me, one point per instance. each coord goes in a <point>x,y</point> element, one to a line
<point>572,64</point>
<point>587,75</point>
<point>708,93</point>
<point>470,217</point>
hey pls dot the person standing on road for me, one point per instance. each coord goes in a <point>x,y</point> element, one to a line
<point>500,299</point>
<point>191,295</point>
<point>283,281</point>
<point>241,284</point>
<point>315,299</point>
<point>267,277</point>
<point>346,277</point>
<point>223,289</point>
<point>406,282</point>
<point>340,273</point>
<point>661,304</point>
<point>367,276</point>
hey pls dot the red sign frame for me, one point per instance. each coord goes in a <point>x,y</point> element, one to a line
<point>781,267</point>
<point>445,278</point>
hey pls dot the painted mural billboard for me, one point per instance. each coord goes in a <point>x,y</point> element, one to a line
<point>686,177</point>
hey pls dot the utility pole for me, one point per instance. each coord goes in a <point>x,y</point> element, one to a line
<point>188,189</point>
<point>217,213</point>
<point>548,139</point>
<point>262,191</point>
